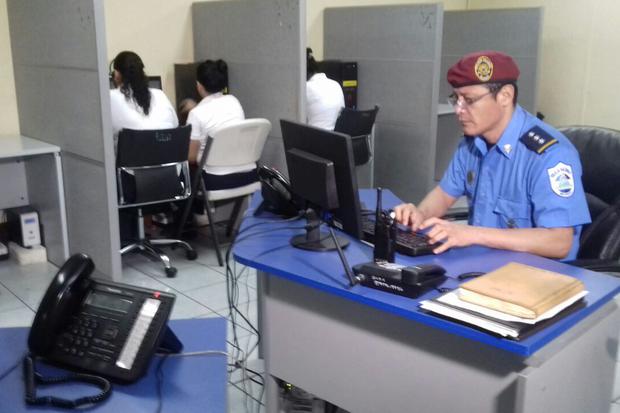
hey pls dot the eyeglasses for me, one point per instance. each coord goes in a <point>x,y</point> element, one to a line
<point>465,102</point>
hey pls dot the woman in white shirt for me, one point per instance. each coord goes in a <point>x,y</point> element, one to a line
<point>324,96</point>
<point>215,110</point>
<point>135,105</point>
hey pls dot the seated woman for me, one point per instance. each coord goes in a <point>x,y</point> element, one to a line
<point>324,96</point>
<point>215,109</point>
<point>134,104</point>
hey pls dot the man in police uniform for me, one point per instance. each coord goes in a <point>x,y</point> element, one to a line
<point>522,178</point>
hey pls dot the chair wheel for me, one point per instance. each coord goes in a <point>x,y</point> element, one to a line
<point>191,255</point>
<point>171,272</point>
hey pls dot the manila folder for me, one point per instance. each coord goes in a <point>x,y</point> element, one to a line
<point>520,290</point>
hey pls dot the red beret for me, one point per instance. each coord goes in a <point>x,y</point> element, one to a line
<point>486,66</point>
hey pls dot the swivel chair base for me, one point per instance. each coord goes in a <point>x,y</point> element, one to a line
<point>148,248</point>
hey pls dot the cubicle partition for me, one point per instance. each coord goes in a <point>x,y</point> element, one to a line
<point>60,65</point>
<point>398,51</point>
<point>403,53</point>
<point>264,46</point>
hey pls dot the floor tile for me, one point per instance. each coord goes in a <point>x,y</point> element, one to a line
<point>185,307</point>
<point>213,297</point>
<point>133,276</point>
<point>8,300</point>
<point>239,401</point>
<point>194,277</point>
<point>28,282</point>
<point>20,317</point>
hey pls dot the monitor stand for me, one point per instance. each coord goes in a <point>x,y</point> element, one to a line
<point>314,239</point>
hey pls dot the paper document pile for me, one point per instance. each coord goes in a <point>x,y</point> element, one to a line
<point>512,301</point>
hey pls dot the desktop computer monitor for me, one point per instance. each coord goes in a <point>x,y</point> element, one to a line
<point>301,140</point>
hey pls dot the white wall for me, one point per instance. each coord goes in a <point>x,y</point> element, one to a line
<point>579,59</point>
<point>162,39</point>
<point>8,104</point>
<point>581,39</point>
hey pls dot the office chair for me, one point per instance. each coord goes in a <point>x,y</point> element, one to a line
<point>152,168</point>
<point>358,124</point>
<point>599,150</point>
<point>228,170</point>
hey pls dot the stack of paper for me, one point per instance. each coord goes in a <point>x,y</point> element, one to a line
<point>511,300</point>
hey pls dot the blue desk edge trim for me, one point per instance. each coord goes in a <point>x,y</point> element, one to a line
<point>462,330</point>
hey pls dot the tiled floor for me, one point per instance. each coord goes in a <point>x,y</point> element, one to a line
<point>200,287</point>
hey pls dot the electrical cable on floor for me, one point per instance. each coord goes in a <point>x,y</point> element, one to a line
<point>233,277</point>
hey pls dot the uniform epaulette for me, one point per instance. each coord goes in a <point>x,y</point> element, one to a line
<point>538,140</point>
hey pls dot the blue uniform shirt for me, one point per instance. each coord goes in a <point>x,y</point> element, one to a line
<point>512,186</point>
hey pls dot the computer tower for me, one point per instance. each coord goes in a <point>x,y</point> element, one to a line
<point>185,81</point>
<point>345,73</point>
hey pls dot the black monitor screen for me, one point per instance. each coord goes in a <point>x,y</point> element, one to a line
<point>335,147</point>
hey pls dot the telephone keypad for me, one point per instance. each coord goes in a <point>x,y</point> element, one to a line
<point>81,338</point>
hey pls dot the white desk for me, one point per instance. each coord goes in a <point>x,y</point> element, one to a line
<point>31,174</point>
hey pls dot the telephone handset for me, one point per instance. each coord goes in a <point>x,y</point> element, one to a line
<point>276,191</point>
<point>101,327</point>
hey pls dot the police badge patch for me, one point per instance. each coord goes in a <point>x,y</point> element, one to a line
<point>483,68</point>
<point>561,179</point>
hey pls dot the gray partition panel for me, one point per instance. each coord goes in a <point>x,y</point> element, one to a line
<point>13,190</point>
<point>43,193</point>
<point>401,154</point>
<point>83,202</point>
<point>56,34</point>
<point>513,31</point>
<point>61,84</point>
<point>397,49</point>
<point>263,43</point>
<point>56,112</point>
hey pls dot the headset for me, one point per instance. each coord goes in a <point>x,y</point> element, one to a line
<point>277,195</point>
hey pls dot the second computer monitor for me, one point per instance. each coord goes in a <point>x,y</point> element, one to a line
<point>337,148</point>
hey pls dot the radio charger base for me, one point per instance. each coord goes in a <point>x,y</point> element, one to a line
<point>411,281</point>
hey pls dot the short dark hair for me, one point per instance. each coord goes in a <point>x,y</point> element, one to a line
<point>494,88</point>
<point>213,75</point>
<point>312,67</point>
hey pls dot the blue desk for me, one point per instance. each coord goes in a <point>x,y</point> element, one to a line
<point>366,350</point>
<point>190,384</point>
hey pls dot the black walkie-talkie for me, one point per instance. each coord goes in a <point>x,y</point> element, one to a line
<point>385,233</point>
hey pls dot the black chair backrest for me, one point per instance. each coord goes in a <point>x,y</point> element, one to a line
<point>356,122</point>
<point>601,239</point>
<point>152,146</point>
<point>599,150</point>
<point>141,179</point>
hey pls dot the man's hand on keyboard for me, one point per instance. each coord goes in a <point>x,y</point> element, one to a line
<point>448,233</point>
<point>409,215</point>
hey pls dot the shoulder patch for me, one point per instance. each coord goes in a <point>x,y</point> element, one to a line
<point>561,179</point>
<point>537,140</point>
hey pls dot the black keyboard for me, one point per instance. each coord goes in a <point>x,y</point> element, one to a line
<point>407,242</point>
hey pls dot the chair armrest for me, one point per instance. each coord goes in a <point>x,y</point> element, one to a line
<point>612,267</point>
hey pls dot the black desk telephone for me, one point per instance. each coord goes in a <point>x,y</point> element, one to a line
<point>100,327</point>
